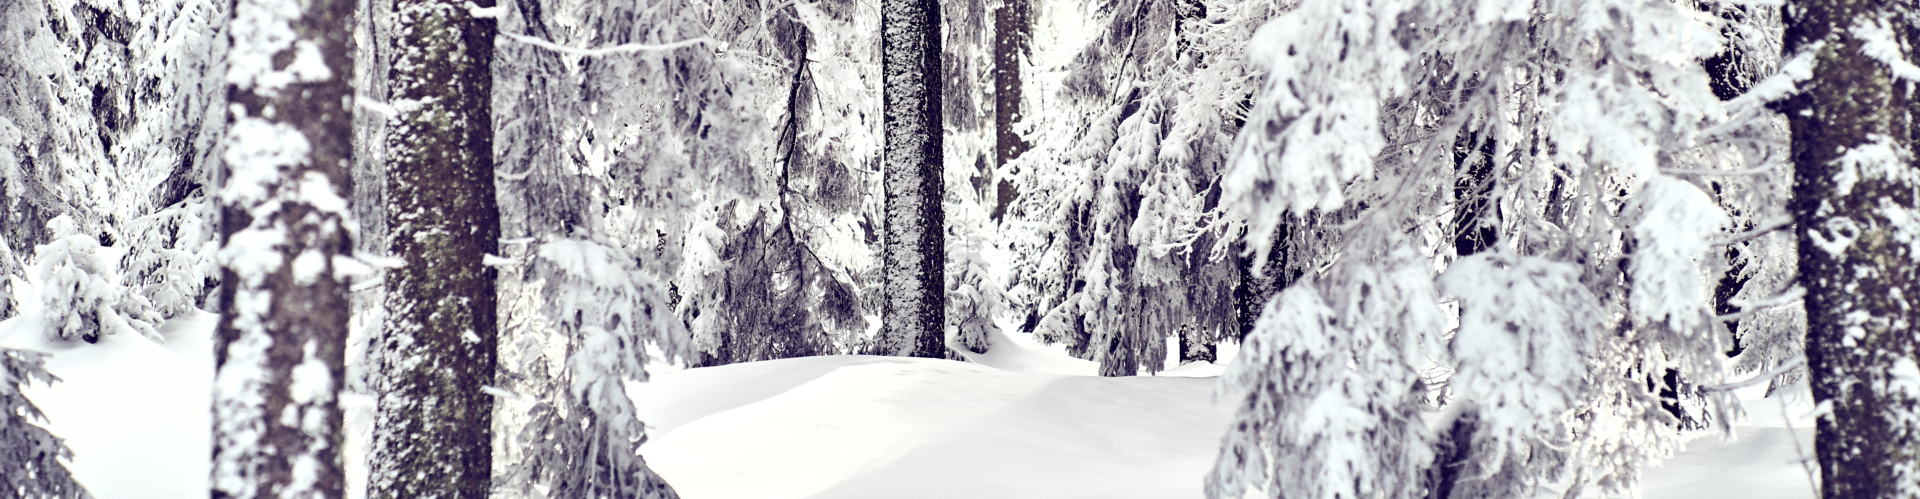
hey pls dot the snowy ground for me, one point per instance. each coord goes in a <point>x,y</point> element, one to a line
<point>1024,421</point>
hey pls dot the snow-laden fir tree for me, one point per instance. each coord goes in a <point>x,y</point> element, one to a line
<point>1552,126</point>
<point>52,161</point>
<point>286,253</point>
<point>654,129</point>
<point>793,273</point>
<point>1858,224</point>
<point>594,292</point>
<point>1132,252</point>
<point>30,457</point>
<point>78,288</point>
<point>113,118</point>
<point>975,297</point>
<point>177,91</point>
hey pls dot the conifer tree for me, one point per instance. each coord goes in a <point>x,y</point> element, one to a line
<point>1855,206</point>
<point>436,348</point>
<point>913,317</point>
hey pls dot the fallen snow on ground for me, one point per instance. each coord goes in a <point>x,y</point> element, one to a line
<point>1022,421</point>
<point>135,413</point>
<point>1762,463</point>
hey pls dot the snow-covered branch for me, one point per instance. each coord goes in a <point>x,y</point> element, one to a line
<point>1749,308</point>
<point>624,48</point>
<point>1770,225</point>
<point>1784,367</point>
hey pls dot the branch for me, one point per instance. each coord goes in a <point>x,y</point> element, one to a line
<point>499,11</point>
<point>1770,225</point>
<point>616,49</point>
<point>1779,370</point>
<point>1750,171</point>
<point>1791,295</point>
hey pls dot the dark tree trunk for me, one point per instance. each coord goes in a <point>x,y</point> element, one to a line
<point>1012,40</point>
<point>914,315</point>
<point>279,351</point>
<point>1856,259</point>
<point>433,435</point>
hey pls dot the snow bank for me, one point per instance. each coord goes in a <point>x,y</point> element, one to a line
<point>135,413</point>
<point>859,426</point>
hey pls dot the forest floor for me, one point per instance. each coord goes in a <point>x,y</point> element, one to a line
<point>1023,421</point>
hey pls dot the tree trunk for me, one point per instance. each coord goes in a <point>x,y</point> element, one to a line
<point>1854,205</point>
<point>279,350</point>
<point>914,315</point>
<point>1012,39</point>
<point>432,435</point>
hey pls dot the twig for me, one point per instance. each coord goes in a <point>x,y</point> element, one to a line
<point>1769,226</point>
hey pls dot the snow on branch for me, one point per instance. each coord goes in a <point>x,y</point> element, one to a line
<point>1527,326</point>
<point>1877,42</point>
<point>1763,377</point>
<point>1770,225</point>
<point>624,48</point>
<point>1676,227</point>
<point>1749,308</point>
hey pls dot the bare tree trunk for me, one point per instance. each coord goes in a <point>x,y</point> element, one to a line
<point>1012,39</point>
<point>1854,202</point>
<point>433,432</point>
<point>279,350</point>
<point>914,315</point>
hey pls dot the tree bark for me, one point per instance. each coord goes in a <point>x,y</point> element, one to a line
<point>1012,39</point>
<point>914,315</point>
<point>433,434</point>
<point>1854,205</point>
<point>279,349</point>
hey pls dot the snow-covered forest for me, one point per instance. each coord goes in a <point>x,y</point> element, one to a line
<point>965,248</point>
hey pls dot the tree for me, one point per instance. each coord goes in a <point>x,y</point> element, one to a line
<point>1012,46</point>
<point>1532,150</point>
<point>658,130</point>
<point>1130,252</point>
<point>437,345</point>
<point>286,254</point>
<point>914,315</point>
<point>793,274</point>
<point>1854,204</point>
<point>30,464</point>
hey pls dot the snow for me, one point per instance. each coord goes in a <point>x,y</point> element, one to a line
<point>136,413</point>
<point>1016,423</point>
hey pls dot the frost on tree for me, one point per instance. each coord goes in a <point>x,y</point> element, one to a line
<point>437,343</point>
<point>1857,227</point>
<point>618,123</point>
<point>51,160</point>
<point>1554,148</point>
<point>80,292</point>
<point>583,440</point>
<point>285,254</point>
<point>1129,251</point>
<point>29,456</point>
<point>794,272</point>
<point>913,317</point>
<point>112,115</point>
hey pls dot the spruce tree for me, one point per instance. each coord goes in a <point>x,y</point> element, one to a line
<point>432,433</point>
<point>1854,200</point>
<point>914,314</point>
